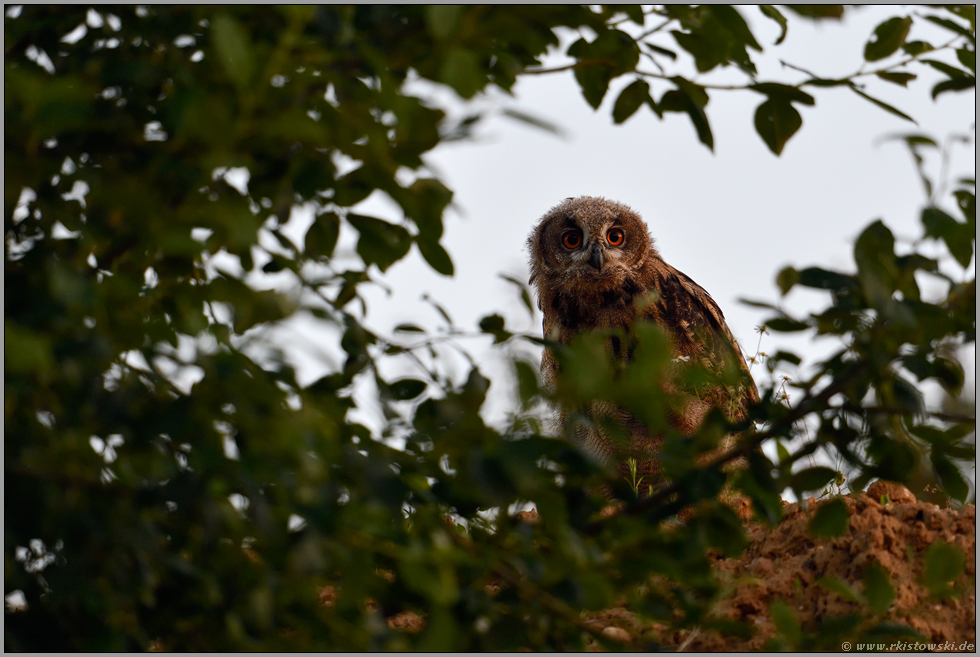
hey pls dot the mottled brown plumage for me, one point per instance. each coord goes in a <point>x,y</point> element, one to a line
<point>594,265</point>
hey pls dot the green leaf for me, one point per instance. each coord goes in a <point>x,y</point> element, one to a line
<point>348,291</point>
<point>904,395</point>
<point>440,633</point>
<point>262,307</point>
<point>782,452</point>
<point>404,389</point>
<point>527,381</point>
<point>716,35</point>
<point>321,238</point>
<point>895,458</point>
<point>827,82</point>
<point>594,82</point>
<point>786,622</point>
<point>758,304</point>
<point>883,105</point>
<point>818,12</point>
<point>630,99</point>
<point>409,328</point>
<point>966,200</point>
<point>949,476</point>
<point>959,237</point>
<point>234,50</point>
<point>662,51</point>
<point>888,37</point>
<point>786,324</point>
<point>435,581</point>
<point>380,243</point>
<point>838,586</point>
<point>874,253</point>
<point>535,121</point>
<point>968,12</point>
<point>697,94</point>
<point>426,203</point>
<point>938,224</point>
<point>968,58</point>
<point>786,279</point>
<point>690,98</point>
<point>525,296</point>
<point>461,69</point>
<point>610,55</point>
<point>954,27</point>
<point>742,629</point>
<point>355,186</point>
<point>786,356</point>
<point>916,48</point>
<point>771,12</point>
<point>312,174</point>
<point>830,519</point>
<point>722,529</point>
<point>900,78</point>
<point>441,20</point>
<point>943,563</point>
<point>634,12</point>
<point>277,264</point>
<point>825,279</point>
<point>955,84</point>
<point>439,309</point>
<point>25,351</point>
<point>943,67</point>
<point>783,92</point>
<point>892,632</point>
<point>494,325</point>
<point>949,373</point>
<point>877,589</point>
<point>776,121</point>
<point>435,255</point>
<point>728,16</point>
<point>812,478</point>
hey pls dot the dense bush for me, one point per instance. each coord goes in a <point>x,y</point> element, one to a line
<point>140,508</point>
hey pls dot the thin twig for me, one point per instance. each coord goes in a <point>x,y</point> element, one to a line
<point>683,647</point>
<point>654,30</point>
<point>893,410</point>
<point>553,604</point>
<point>529,590</point>
<point>860,73</point>
<point>544,71</point>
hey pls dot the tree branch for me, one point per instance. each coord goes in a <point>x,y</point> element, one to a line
<point>746,447</point>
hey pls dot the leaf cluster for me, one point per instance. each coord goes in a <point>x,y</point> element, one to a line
<point>718,36</point>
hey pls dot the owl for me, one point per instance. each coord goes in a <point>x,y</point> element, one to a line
<point>593,266</point>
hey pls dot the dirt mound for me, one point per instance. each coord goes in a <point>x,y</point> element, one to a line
<point>785,563</point>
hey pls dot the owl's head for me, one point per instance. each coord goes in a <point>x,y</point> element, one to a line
<point>588,243</point>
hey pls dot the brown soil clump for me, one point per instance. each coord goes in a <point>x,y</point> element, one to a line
<point>785,562</point>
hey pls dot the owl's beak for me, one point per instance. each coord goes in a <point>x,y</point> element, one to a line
<point>596,258</point>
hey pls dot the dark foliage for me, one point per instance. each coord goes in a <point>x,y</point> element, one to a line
<point>119,479</point>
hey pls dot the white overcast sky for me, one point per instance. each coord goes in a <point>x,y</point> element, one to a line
<point>729,219</point>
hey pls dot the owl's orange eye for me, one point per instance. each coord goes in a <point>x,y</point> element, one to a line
<point>615,236</point>
<point>572,239</point>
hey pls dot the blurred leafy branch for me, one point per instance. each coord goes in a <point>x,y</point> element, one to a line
<point>164,483</point>
<point>717,36</point>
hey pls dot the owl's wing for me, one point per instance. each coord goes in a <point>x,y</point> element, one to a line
<point>687,311</point>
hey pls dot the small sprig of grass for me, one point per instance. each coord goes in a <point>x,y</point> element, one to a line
<point>633,480</point>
